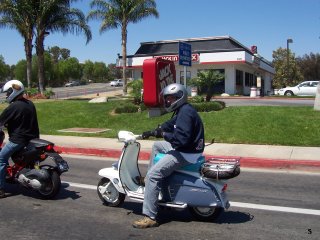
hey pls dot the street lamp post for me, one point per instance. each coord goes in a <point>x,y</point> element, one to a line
<point>289,40</point>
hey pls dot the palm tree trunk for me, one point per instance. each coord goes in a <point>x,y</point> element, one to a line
<point>40,55</point>
<point>28,51</point>
<point>124,57</point>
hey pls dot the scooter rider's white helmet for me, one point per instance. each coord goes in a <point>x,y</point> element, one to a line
<point>177,90</point>
<point>13,88</point>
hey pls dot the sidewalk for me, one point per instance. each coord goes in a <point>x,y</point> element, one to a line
<point>251,156</point>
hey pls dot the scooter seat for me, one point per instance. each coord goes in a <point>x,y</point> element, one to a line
<point>193,167</point>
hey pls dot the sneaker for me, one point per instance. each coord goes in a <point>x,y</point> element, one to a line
<point>145,222</point>
<point>2,193</point>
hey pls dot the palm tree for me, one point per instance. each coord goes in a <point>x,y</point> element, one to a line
<point>115,13</point>
<point>19,15</point>
<point>207,79</point>
<point>56,16</point>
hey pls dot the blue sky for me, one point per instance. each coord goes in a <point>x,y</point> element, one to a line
<point>264,23</point>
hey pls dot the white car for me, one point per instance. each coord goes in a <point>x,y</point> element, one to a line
<point>72,84</point>
<point>116,83</point>
<point>307,88</point>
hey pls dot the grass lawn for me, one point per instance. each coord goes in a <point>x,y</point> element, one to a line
<point>295,126</point>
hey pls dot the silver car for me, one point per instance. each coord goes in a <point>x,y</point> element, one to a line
<point>307,88</point>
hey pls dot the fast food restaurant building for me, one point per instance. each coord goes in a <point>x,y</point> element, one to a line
<point>244,69</point>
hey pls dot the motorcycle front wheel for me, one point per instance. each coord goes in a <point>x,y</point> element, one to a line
<point>206,214</point>
<point>108,194</point>
<point>52,188</point>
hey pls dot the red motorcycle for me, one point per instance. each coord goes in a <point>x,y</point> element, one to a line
<point>29,169</point>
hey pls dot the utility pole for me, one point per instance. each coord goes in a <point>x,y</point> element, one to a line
<point>289,40</point>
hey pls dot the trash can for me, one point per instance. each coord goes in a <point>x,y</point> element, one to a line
<point>194,92</point>
<point>253,92</point>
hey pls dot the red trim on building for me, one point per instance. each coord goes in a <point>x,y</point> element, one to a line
<point>243,61</point>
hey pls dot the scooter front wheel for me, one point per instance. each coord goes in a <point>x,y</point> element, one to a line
<point>206,214</point>
<point>108,194</point>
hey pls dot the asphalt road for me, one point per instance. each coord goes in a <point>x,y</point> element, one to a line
<point>77,213</point>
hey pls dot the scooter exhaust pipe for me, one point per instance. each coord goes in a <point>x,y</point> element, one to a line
<point>34,178</point>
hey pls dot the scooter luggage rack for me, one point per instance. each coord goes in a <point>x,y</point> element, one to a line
<point>221,168</point>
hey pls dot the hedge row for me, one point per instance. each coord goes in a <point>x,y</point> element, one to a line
<point>127,107</point>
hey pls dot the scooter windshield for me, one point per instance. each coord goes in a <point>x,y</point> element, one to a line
<point>129,169</point>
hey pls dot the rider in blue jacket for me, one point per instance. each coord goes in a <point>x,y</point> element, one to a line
<point>184,144</point>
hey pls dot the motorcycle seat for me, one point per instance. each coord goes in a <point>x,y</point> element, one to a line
<point>193,167</point>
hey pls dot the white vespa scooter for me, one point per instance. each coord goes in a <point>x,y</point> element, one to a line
<point>200,187</point>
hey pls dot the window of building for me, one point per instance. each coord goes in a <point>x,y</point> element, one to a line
<point>239,77</point>
<point>250,80</point>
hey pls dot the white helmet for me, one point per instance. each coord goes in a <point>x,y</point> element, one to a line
<point>177,90</point>
<point>13,88</point>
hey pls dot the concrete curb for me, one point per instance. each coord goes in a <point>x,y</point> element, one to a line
<point>247,162</point>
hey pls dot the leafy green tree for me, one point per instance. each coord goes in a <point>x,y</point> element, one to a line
<point>4,69</point>
<point>20,15</point>
<point>55,54</point>
<point>310,66</point>
<point>20,71</point>
<point>65,53</point>
<point>206,80</point>
<point>100,71</point>
<point>88,69</point>
<point>48,66</point>
<point>114,72</point>
<point>285,75</point>
<point>119,13</point>
<point>70,69</point>
<point>56,16</point>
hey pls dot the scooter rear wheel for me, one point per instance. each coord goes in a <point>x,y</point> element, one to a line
<point>52,188</point>
<point>206,214</point>
<point>108,194</point>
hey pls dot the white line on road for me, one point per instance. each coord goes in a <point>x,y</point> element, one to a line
<point>80,185</point>
<point>276,208</point>
<point>234,204</point>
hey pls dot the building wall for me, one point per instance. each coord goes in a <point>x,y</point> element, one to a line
<point>228,61</point>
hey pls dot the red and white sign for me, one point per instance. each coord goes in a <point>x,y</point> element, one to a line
<point>175,58</point>
<point>157,74</point>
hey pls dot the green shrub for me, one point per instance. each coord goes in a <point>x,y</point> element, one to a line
<point>196,99</point>
<point>127,108</point>
<point>209,106</point>
<point>34,93</point>
<point>136,86</point>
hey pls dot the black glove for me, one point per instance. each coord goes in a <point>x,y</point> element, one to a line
<point>158,133</point>
<point>147,134</point>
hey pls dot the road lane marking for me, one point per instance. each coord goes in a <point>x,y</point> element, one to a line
<point>233,204</point>
<point>276,208</point>
<point>80,185</point>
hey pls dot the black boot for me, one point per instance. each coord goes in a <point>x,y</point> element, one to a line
<point>2,193</point>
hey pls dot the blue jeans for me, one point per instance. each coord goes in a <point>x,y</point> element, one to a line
<point>156,173</point>
<point>5,154</point>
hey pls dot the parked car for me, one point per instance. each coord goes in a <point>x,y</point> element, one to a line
<point>116,83</point>
<point>72,83</point>
<point>307,88</point>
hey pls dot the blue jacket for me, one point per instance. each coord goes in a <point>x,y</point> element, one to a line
<point>185,130</point>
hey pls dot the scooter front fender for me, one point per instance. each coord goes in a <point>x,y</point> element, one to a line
<point>113,175</point>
